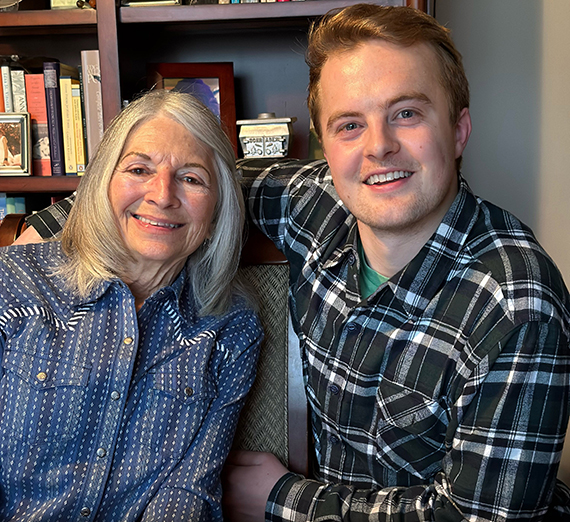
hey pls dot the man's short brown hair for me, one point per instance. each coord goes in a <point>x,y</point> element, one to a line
<point>345,29</point>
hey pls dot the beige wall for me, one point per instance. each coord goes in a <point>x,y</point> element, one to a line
<point>517,57</point>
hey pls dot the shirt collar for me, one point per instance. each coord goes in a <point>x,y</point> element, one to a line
<point>418,282</point>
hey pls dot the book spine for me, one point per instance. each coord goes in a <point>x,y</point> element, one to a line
<point>18,90</point>
<point>53,103</point>
<point>2,108</point>
<point>3,205</point>
<point>7,88</point>
<point>10,205</point>
<point>91,74</point>
<point>36,98</point>
<point>67,126</point>
<point>78,126</point>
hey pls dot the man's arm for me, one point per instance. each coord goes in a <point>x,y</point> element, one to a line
<point>47,223</point>
<point>501,462</point>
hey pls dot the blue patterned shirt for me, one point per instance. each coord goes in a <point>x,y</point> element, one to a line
<point>107,414</point>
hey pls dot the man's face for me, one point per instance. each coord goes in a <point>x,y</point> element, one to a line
<point>388,138</point>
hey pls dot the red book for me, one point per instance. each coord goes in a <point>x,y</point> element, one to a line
<point>36,98</point>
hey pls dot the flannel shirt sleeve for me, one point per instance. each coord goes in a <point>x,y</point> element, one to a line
<point>49,221</point>
<point>503,457</point>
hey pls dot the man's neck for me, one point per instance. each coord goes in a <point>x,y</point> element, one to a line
<point>388,252</point>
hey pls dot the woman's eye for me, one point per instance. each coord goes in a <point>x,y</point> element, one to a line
<point>192,180</point>
<point>137,170</point>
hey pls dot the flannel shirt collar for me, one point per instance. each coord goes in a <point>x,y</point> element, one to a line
<point>418,282</point>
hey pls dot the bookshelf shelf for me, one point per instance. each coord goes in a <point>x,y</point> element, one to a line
<point>233,12</point>
<point>47,17</point>
<point>36,184</point>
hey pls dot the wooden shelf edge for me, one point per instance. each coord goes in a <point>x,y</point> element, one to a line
<point>37,184</point>
<point>228,12</point>
<point>47,17</point>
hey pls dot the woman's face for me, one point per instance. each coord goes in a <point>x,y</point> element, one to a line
<point>163,193</point>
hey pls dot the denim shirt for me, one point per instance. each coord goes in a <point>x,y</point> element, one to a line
<point>108,414</point>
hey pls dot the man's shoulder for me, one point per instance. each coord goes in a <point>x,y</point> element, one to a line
<point>282,168</point>
<point>508,251</point>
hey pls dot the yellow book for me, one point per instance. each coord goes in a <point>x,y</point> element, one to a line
<point>78,126</point>
<point>67,124</point>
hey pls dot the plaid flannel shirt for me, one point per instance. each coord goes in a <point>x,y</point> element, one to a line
<point>444,395</point>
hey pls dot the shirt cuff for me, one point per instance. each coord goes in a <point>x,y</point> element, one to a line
<point>292,498</point>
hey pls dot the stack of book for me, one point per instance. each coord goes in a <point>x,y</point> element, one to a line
<point>65,107</point>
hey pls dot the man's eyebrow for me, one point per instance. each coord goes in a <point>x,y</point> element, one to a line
<point>409,96</point>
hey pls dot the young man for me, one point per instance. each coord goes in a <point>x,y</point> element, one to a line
<point>434,329</point>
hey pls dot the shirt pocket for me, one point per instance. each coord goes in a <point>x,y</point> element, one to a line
<point>42,399</point>
<point>178,403</point>
<point>411,429</point>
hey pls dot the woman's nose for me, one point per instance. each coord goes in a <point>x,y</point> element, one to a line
<point>161,189</point>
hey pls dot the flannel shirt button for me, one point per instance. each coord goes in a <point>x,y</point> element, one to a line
<point>351,259</point>
<point>333,439</point>
<point>352,327</point>
<point>333,388</point>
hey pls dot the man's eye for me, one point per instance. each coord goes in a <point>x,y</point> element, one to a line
<point>406,114</point>
<point>349,127</point>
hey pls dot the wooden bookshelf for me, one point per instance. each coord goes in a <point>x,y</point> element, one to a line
<point>130,32</point>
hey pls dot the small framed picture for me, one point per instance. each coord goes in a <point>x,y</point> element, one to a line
<point>211,83</point>
<point>15,144</point>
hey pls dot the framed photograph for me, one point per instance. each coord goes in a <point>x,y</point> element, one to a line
<point>211,83</point>
<point>15,144</point>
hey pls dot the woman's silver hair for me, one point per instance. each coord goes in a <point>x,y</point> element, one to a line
<point>91,238</point>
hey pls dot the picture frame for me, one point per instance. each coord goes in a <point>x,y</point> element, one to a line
<point>15,144</point>
<point>212,83</point>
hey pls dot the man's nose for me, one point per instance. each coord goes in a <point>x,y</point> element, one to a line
<point>381,140</point>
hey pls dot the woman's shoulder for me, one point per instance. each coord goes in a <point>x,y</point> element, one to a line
<point>33,258</point>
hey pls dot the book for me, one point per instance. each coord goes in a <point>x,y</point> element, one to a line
<point>3,205</point>
<point>52,72</point>
<point>70,158</point>
<point>36,99</point>
<point>2,108</point>
<point>16,204</point>
<point>7,87</point>
<point>93,100</point>
<point>78,126</point>
<point>18,90</point>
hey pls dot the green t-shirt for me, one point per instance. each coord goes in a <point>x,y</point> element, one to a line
<point>370,280</point>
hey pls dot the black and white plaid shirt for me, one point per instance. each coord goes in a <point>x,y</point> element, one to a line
<point>442,396</point>
<point>445,394</point>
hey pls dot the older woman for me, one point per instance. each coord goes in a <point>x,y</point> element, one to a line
<point>128,347</point>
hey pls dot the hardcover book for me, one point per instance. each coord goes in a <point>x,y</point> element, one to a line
<point>18,90</point>
<point>36,98</point>
<point>7,87</point>
<point>52,72</point>
<point>68,126</point>
<point>78,126</point>
<point>93,100</point>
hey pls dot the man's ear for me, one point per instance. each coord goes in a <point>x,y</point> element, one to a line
<point>462,132</point>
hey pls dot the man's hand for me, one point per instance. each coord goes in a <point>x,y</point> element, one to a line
<point>247,481</point>
<point>29,235</point>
